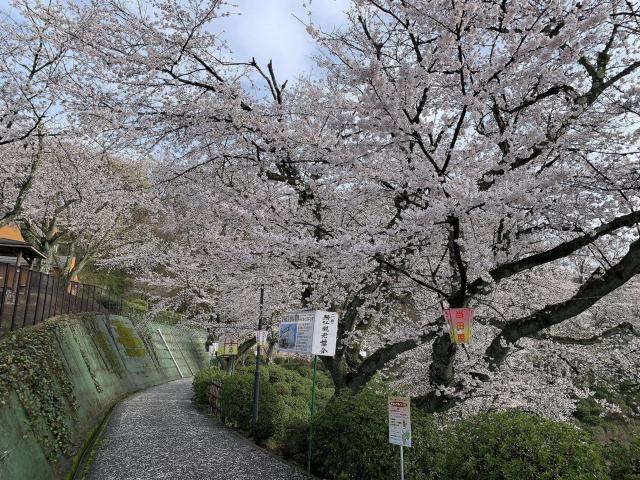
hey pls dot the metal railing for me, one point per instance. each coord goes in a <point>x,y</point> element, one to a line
<point>29,297</point>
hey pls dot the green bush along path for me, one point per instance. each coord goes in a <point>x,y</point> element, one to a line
<point>350,434</point>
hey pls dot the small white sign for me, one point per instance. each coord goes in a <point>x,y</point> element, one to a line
<point>400,421</point>
<point>309,332</point>
<point>213,348</point>
<point>261,338</point>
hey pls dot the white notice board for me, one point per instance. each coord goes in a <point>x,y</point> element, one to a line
<point>309,332</point>
<point>400,421</point>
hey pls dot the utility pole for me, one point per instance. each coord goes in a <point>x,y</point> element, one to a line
<point>256,379</point>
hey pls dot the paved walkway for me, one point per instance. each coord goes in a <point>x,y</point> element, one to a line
<point>160,434</point>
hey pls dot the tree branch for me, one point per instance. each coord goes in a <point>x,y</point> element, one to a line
<point>589,293</point>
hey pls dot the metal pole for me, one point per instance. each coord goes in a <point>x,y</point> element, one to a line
<point>182,353</point>
<point>169,350</point>
<point>402,460</point>
<point>256,378</point>
<point>312,410</point>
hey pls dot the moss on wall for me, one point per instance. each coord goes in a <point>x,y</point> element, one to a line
<point>132,344</point>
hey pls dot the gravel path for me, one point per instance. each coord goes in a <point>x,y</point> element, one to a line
<point>160,434</point>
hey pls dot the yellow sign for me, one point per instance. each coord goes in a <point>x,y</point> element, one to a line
<point>229,346</point>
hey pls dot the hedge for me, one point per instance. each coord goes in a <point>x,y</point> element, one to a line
<point>285,392</point>
<point>351,443</point>
<point>350,434</point>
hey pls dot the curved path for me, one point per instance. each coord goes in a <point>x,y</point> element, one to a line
<point>160,434</point>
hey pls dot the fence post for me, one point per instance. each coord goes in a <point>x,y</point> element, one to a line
<point>16,298</point>
<point>46,294</point>
<point>35,313</point>
<point>81,287</point>
<point>55,303</point>
<point>67,290</point>
<point>4,291</point>
<point>28,298</point>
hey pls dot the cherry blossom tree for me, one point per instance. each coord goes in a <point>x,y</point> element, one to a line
<point>456,154</point>
<point>32,69</point>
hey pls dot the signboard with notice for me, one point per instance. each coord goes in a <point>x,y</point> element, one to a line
<point>400,421</point>
<point>309,332</point>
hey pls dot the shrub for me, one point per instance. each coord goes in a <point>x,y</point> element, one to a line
<point>236,404</point>
<point>624,458</point>
<point>350,440</point>
<point>203,380</point>
<point>515,445</point>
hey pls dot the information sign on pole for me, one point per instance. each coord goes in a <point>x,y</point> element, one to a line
<point>400,421</point>
<point>309,332</point>
<point>261,337</point>
<point>400,425</point>
<point>213,348</point>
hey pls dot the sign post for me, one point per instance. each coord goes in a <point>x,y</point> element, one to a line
<point>256,378</point>
<point>312,409</point>
<point>309,332</point>
<point>400,426</point>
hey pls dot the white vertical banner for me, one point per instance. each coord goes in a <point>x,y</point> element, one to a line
<point>325,333</point>
<point>261,337</point>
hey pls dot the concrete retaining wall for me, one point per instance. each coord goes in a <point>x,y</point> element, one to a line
<point>105,358</point>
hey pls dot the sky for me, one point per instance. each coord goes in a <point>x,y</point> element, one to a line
<point>267,29</point>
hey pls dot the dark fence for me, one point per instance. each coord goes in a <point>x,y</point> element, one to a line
<point>214,398</point>
<point>28,297</point>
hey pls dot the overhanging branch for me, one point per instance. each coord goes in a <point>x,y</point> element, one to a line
<point>589,293</point>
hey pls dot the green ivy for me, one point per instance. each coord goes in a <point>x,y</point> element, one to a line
<point>32,368</point>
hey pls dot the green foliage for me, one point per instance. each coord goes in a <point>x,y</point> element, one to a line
<point>31,366</point>
<point>168,318</point>
<point>588,411</point>
<point>116,281</point>
<point>351,442</point>
<point>236,402</point>
<point>285,394</point>
<point>350,433</point>
<point>350,439</point>
<point>623,458</point>
<point>515,445</point>
<point>203,380</point>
